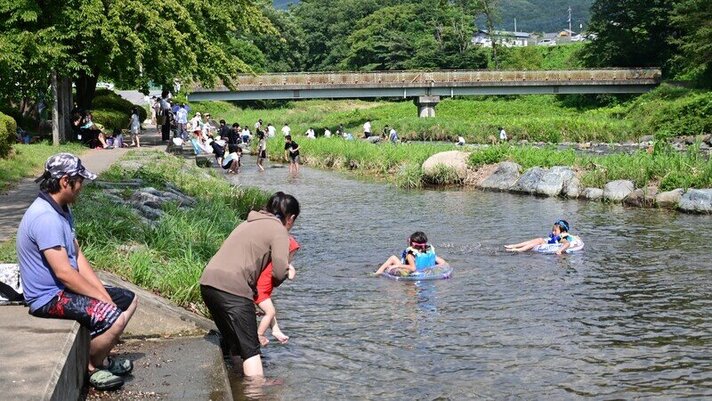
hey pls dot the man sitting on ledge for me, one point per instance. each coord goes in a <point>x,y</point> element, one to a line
<point>58,281</point>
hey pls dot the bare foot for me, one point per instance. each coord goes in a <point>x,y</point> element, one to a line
<point>280,337</point>
<point>513,250</point>
<point>263,340</point>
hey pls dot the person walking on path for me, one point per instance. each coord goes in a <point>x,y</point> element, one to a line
<point>182,121</point>
<point>229,281</point>
<point>167,115</point>
<point>58,281</point>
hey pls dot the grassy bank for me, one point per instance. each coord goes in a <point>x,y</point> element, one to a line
<point>541,118</point>
<point>28,161</point>
<point>170,256</point>
<point>663,167</point>
<point>398,164</point>
<point>401,164</point>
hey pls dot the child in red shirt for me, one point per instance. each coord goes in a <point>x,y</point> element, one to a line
<point>264,301</point>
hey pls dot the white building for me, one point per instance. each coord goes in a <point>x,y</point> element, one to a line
<point>503,38</point>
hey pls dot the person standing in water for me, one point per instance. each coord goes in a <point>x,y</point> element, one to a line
<point>229,282</point>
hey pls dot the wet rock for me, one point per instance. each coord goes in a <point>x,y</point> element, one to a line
<point>707,139</point>
<point>592,193</point>
<point>696,201</point>
<point>503,177</point>
<point>142,198</point>
<point>554,180</point>
<point>572,188</point>
<point>454,159</point>
<point>635,198</point>
<point>528,182</point>
<point>617,190</point>
<point>669,198</point>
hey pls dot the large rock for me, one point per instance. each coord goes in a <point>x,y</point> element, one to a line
<point>503,177</point>
<point>642,197</point>
<point>572,188</point>
<point>669,198</point>
<point>454,159</point>
<point>592,193</point>
<point>696,201</point>
<point>554,180</point>
<point>617,190</point>
<point>529,181</point>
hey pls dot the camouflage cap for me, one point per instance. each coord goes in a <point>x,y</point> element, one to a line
<point>62,164</point>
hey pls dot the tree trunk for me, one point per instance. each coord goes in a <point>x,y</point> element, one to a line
<point>86,88</point>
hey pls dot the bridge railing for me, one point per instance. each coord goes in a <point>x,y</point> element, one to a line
<point>421,78</point>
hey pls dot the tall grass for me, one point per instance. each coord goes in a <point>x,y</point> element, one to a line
<point>664,167</point>
<point>28,160</point>
<point>383,160</point>
<point>170,256</point>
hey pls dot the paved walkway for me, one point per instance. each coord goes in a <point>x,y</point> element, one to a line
<point>14,203</point>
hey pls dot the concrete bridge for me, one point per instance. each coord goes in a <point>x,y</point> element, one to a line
<point>427,87</point>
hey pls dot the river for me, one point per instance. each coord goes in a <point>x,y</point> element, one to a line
<point>629,317</point>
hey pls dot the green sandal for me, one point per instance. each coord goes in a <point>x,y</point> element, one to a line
<point>103,380</point>
<point>119,366</point>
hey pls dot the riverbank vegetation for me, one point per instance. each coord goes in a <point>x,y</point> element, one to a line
<point>168,256</point>
<point>665,111</point>
<point>662,167</point>
<point>28,160</point>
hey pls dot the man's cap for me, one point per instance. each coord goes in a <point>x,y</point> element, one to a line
<point>62,164</point>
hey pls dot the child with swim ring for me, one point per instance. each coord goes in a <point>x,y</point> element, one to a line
<point>559,235</point>
<point>419,255</point>
<point>264,301</point>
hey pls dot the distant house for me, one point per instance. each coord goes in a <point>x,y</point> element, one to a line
<point>503,38</point>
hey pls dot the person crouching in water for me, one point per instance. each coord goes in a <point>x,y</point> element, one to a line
<point>419,255</point>
<point>263,299</point>
<point>559,234</point>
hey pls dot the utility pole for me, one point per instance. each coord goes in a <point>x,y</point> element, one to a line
<point>515,24</point>
<point>569,20</point>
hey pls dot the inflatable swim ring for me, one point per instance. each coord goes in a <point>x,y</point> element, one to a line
<point>576,245</point>
<point>431,273</point>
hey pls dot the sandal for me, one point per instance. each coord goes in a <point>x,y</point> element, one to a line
<point>103,380</point>
<point>119,366</point>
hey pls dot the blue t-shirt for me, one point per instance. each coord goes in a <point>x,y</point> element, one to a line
<point>45,225</point>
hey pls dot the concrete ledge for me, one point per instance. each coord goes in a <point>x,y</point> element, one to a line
<point>156,316</point>
<point>42,359</point>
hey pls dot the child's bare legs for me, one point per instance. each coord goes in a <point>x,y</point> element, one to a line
<point>268,307</point>
<point>392,261</point>
<point>277,332</point>
<point>526,245</point>
<point>259,164</point>
<point>138,141</point>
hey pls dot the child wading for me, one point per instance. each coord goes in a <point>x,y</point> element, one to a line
<point>419,255</point>
<point>559,235</point>
<point>261,150</point>
<point>263,299</point>
<point>291,149</point>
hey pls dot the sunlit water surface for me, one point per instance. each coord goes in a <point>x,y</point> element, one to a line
<point>627,318</point>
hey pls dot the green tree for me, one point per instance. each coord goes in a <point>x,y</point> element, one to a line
<point>694,20</point>
<point>631,33</point>
<point>130,42</point>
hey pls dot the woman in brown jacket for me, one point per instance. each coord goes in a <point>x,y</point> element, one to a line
<point>229,283</point>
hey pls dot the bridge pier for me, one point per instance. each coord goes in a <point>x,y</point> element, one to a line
<point>426,105</point>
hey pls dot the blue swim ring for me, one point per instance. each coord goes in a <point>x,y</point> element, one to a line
<point>576,246</point>
<point>439,272</point>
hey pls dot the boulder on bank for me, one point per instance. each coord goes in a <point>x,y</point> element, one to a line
<point>503,177</point>
<point>618,190</point>
<point>669,198</point>
<point>572,188</point>
<point>555,180</point>
<point>529,181</point>
<point>696,201</point>
<point>592,193</point>
<point>454,159</point>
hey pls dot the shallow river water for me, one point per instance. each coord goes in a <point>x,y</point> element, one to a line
<point>628,318</point>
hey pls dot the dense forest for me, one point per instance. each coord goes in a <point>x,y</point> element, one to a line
<point>531,15</point>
